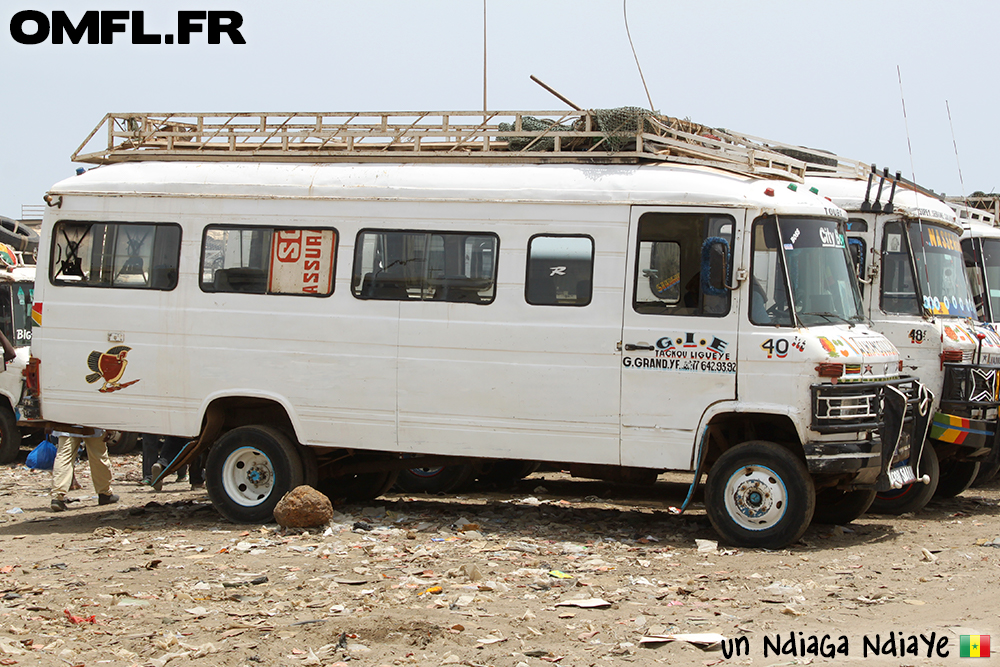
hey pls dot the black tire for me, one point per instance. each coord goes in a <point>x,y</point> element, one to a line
<point>759,495</point>
<point>358,488</point>
<point>248,471</point>
<point>18,236</point>
<point>120,442</point>
<point>839,508</point>
<point>912,497</point>
<point>986,473</point>
<point>310,466</point>
<point>10,436</point>
<point>956,476</point>
<point>443,479</point>
<point>507,471</point>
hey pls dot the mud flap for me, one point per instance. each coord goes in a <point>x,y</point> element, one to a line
<point>902,448</point>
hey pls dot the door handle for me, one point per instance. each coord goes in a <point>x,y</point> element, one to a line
<point>631,346</point>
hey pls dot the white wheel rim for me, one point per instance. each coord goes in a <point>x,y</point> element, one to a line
<point>248,476</point>
<point>756,498</point>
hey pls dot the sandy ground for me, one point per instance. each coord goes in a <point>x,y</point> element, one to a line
<point>502,578</point>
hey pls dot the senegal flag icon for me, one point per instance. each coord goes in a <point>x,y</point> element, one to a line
<point>974,646</point>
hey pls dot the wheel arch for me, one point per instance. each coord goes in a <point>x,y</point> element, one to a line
<point>728,424</point>
<point>223,413</point>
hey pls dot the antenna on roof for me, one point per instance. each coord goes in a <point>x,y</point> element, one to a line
<point>638,66</point>
<point>955,144</point>
<point>484,59</point>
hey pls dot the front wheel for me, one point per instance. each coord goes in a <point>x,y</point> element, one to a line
<point>248,471</point>
<point>911,497</point>
<point>759,495</point>
<point>956,476</point>
<point>839,508</point>
<point>986,473</point>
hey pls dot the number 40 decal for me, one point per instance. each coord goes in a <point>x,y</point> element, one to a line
<point>780,347</point>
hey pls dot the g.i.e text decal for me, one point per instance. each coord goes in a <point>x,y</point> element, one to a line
<point>110,367</point>
<point>687,352</point>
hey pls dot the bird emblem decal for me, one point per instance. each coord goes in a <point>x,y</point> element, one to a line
<point>110,366</point>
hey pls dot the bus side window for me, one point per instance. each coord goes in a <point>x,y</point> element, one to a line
<point>560,270</point>
<point>455,267</point>
<point>115,254</point>
<point>268,260</point>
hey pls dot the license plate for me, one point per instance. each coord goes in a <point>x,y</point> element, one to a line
<point>902,476</point>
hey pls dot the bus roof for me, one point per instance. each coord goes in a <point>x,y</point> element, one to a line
<point>539,183</point>
<point>850,193</point>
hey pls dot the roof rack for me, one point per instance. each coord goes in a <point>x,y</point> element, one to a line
<point>977,206</point>
<point>623,135</point>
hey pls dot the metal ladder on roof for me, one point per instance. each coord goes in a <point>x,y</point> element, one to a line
<point>626,135</point>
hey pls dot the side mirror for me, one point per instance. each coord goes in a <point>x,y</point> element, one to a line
<point>715,266</point>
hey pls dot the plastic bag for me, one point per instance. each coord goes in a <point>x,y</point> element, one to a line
<point>43,456</point>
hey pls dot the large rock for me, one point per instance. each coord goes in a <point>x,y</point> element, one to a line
<point>303,507</point>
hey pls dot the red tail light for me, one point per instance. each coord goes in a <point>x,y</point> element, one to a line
<point>30,374</point>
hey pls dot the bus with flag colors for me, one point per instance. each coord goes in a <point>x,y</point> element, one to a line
<point>906,245</point>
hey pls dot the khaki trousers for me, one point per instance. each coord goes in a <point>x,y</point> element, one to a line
<point>97,455</point>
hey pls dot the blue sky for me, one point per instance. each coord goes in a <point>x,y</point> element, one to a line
<point>818,74</point>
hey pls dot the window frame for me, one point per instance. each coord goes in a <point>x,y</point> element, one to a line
<point>527,268</point>
<point>704,234</point>
<point>273,229</point>
<point>430,233</point>
<point>55,281</point>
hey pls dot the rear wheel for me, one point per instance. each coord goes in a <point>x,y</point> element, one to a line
<point>911,497</point>
<point>760,495</point>
<point>506,471</point>
<point>248,471</point>
<point>120,442</point>
<point>956,476</point>
<point>842,507</point>
<point>442,479</point>
<point>10,436</point>
<point>358,488</point>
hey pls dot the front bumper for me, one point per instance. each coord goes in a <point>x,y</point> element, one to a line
<point>969,398</point>
<point>893,417</point>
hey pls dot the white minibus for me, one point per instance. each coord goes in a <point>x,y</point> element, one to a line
<point>332,319</point>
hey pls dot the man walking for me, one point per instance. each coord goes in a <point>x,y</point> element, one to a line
<point>65,463</point>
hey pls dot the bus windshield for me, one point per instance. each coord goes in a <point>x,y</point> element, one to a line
<point>940,270</point>
<point>820,274</point>
<point>991,268</point>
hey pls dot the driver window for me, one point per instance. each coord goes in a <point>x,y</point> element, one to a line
<point>769,296</point>
<point>899,294</point>
<point>669,264</point>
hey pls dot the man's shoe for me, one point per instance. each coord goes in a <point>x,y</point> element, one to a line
<point>154,473</point>
<point>197,486</point>
<point>105,498</point>
<point>182,476</point>
<point>57,505</point>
